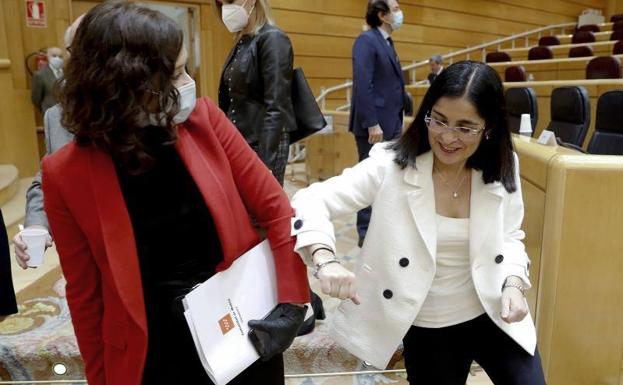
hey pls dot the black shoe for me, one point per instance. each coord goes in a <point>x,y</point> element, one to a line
<point>308,326</point>
<point>318,314</point>
<point>360,242</point>
<point>316,304</point>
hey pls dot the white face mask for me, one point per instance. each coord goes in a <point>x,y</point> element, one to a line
<point>187,101</point>
<point>398,18</point>
<point>56,62</point>
<point>235,17</point>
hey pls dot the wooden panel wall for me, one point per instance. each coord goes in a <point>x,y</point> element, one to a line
<point>323,31</point>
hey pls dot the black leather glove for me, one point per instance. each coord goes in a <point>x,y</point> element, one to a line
<point>275,333</point>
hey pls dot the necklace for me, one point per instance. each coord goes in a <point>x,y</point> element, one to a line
<point>457,186</point>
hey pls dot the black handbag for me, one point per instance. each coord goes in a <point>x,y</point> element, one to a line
<point>309,118</point>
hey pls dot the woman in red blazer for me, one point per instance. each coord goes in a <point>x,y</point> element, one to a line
<point>154,196</point>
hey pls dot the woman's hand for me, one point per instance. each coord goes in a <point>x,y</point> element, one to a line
<point>514,305</point>
<point>335,280</point>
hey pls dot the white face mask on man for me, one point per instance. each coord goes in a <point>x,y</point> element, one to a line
<point>235,17</point>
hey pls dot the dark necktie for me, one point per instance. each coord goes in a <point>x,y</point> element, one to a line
<point>391,44</point>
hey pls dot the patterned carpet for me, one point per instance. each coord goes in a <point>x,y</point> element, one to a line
<point>41,335</point>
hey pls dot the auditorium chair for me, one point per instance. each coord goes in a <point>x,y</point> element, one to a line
<point>608,136</point>
<point>581,51</point>
<point>589,27</point>
<point>515,74</point>
<point>521,100</point>
<point>540,53</point>
<point>570,114</point>
<point>498,57</point>
<point>615,18</point>
<point>604,67</point>
<point>618,48</point>
<point>583,37</point>
<point>617,35</point>
<point>617,26</point>
<point>549,40</point>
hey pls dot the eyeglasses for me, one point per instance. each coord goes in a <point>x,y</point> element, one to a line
<point>440,127</point>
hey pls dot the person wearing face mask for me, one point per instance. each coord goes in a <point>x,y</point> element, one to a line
<point>378,99</point>
<point>44,80</point>
<point>154,196</point>
<point>255,92</point>
<point>56,136</point>
<point>255,86</point>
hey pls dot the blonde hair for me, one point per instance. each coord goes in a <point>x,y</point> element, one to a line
<point>262,14</point>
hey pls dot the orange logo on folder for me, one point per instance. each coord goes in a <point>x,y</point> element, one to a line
<point>226,323</point>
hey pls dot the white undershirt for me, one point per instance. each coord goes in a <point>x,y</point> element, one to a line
<point>452,298</point>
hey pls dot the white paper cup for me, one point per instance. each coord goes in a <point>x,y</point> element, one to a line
<point>525,128</point>
<point>35,243</point>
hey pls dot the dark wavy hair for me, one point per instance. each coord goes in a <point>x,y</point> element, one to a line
<point>482,86</point>
<point>122,60</point>
<point>372,13</point>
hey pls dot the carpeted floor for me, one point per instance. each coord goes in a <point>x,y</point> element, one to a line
<point>41,335</point>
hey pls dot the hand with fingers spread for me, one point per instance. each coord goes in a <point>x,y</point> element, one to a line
<point>335,280</point>
<point>375,134</point>
<point>21,256</point>
<point>514,305</point>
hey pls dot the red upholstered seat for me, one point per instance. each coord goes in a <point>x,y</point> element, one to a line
<point>615,18</point>
<point>618,48</point>
<point>604,67</point>
<point>617,25</point>
<point>515,74</point>
<point>549,40</point>
<point>589,27</point>
<point>540,53</point>
<point>581,51</point>
<point>497,57</point>
<point>583,37</point>
<point>617,35</point>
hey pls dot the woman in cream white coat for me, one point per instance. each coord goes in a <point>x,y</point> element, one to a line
<point>443,267</point>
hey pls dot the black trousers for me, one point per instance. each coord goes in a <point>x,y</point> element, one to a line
<point>443,356</point>
<point>363,216</point>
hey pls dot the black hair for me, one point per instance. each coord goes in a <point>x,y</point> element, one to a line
<point>482,86</point>
<point>372,14</point>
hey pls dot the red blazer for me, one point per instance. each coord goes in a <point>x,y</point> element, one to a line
<point>97,249</point>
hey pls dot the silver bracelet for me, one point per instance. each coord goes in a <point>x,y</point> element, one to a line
<point>517,286</point>
<point>323,264</point>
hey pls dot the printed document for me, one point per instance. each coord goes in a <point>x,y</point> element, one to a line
<point>218,310</point>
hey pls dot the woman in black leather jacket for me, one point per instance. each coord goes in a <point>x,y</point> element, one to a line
<point>255,91</point>
<point>255,86</point>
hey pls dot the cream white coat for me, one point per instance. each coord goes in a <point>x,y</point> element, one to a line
<point>403,225</point>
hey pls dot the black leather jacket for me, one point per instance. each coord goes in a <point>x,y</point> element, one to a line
<point>255,90</point>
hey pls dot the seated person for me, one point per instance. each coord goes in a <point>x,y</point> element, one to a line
<point>436,66</point>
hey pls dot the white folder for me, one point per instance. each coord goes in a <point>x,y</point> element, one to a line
<point>218,310</point>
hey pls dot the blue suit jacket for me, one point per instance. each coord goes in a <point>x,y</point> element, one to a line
<point>378,87</point>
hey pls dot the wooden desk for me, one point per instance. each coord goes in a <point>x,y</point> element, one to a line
<point>601,48</point>
<point>579,299</point>
<point>554,69</point>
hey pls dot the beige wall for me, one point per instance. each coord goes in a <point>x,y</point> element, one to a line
<point>322,32</point>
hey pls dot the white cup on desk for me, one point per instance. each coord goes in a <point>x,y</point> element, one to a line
<point>35,245</point>
<point>525,127</point>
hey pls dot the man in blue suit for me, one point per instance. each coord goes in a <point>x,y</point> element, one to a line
<point>378,86</point>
